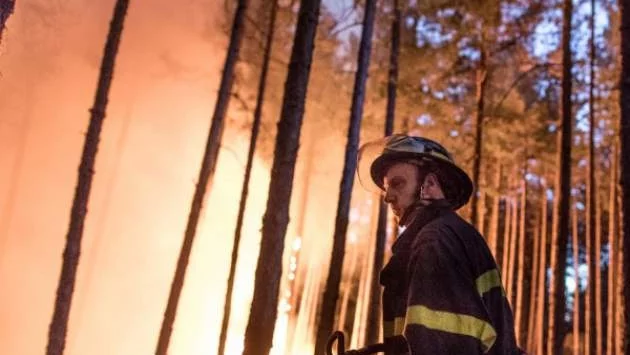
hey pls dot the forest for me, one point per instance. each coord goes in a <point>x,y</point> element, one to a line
<point>180,177</point>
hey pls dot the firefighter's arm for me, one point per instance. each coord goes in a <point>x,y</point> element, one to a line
<point>445,313</point>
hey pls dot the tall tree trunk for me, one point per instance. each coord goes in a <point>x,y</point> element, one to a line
<point>496,206</point>
<point>513,251</point>
<point>620,322</point>
<point>262,318</point>
<point>481,213</point>
<point>505,255</point>
<point>599,325</point>
<point>100,226</point>
<point>542,276</point>
<point>624,138</point>
<point>482,76</point>
<point>576,270</point>
<point>612,257</point>
<point>593,318</point>
<point>331,292</point>
<point>6,9</point>
<point>206,175</point>
<point>373,321</point>
<point>557,298</point>
<point>533,289</point>
<point>65,288</point>
<point>262,84</point>
<point>521,260</point>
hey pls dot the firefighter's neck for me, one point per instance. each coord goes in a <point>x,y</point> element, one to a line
<point>413,211</point>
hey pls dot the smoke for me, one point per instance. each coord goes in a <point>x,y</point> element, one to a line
<point>165,83</point>
<point>160,106</point>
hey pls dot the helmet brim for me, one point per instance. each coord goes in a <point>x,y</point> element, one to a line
<point>374,160</point>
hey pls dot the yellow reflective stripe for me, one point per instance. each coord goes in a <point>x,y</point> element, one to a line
<point>388,329</point>
<point>488,281</point>
<point>394,328</point>
<point>455,323</point>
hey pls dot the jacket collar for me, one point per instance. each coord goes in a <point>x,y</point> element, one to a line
<point>423,215</point>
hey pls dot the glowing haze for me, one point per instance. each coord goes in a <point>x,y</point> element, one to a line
<point>161,102</point>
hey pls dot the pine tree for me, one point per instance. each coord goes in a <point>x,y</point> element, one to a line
<point>575,245</point>
<point>624,139</point>
<point>373,322</point>
<point>262,85</point>
<point>331,292</point>
<point>206,174</point>
<point>494,219</point>
<point>561,220</point>
<point>261,324</point>
<point>542,276</point>
<point>533,295</point>
<point>518,320</point>
<point>613,246</point>
<point>65,288</point>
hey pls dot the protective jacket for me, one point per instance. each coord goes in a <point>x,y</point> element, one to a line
<point>443,292</point>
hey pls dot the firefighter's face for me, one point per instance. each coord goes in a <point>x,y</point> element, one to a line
<point>401,187</point>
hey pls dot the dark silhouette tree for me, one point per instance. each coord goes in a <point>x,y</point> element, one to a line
<point>331,291</point>
<point>206,174</point>
<point>261,324</point>
<point>373,322</point>
<point>592,313</point>
<point>561,221</point>
<point>542,275</point>
<point>262,84</point>
<point>624,139</point>
<point>65,288</point>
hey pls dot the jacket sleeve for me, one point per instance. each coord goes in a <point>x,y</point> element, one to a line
<point>445,312</point>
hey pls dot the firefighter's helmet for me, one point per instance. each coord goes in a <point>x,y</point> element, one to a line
<point>377,156</point>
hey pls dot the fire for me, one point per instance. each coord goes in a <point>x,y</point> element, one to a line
<point>148,160</point>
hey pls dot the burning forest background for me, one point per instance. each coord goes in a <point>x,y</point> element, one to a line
<point>499,82</point>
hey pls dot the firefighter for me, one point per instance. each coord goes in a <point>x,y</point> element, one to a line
<point>442,288</point>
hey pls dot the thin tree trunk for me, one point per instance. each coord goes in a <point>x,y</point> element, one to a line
<point>505,258</point>
<point>262,318</point>
<point>481,213</point>
<point>482,76</point>
<point>576,271</point>
<point>100,227</point>
<point>557,298</point>
<point>533,290</point>
<point>373,321</point>
<point>262,84</point>
<point>542,276</point>
<point>513,244</point>
<point>612,255</point>
<point>624,138</point>
<point>599,324</point>
<point>496,206</point>
<point>593,317</point>
<point>6,9</point>
<point>521,261</point>
<point>331,292</point>
<point>620,287</point>
<point>206,175</point>
<point>59,324</point>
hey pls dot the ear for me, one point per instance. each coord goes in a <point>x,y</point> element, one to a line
<point>431,180</point>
